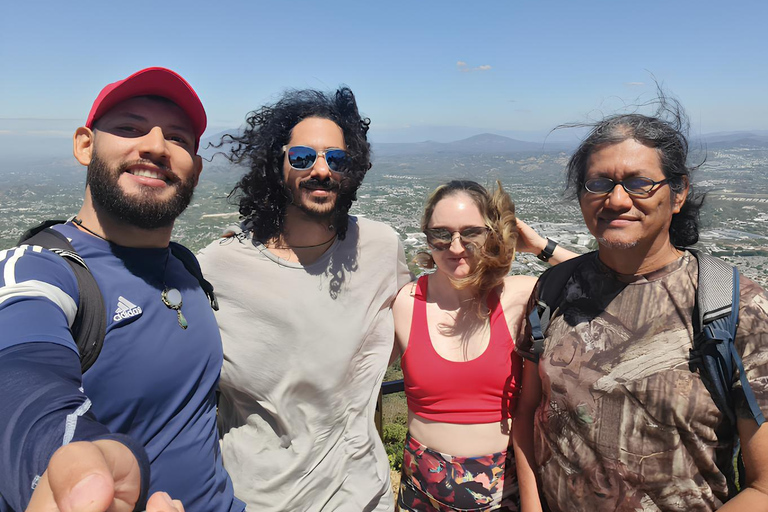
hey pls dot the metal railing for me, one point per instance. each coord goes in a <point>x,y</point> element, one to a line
<point>393,386</point>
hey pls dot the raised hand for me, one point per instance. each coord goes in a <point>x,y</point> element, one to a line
<point>528,240</point>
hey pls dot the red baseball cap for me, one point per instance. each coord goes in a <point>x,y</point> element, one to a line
<point>156,82</point>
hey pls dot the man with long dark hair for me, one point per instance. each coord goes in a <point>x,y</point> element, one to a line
<point>619,413</point>
<point>305,291</point>
<point>100,432</point>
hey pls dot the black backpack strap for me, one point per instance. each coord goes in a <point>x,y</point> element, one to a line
<point>193,267</point>
<point>549,294</point>
<point>40,227</point>
<point>90,324</point>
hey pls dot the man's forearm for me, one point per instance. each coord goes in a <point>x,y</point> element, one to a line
<point>43,409</point>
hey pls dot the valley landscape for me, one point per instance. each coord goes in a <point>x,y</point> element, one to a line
<point>734,176</point>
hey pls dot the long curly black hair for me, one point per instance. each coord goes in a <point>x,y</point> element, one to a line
<point>261,194</point>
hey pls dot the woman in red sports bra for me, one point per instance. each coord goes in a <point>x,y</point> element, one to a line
<point>454,330</point>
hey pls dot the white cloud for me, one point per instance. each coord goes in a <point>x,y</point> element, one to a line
<point>635,84</point>
<point>5,132</point>
<point>464,68</point>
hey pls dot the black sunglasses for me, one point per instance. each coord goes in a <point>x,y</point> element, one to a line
<point>441,239</point>
<point>302,158</point>
<point>635,186</point>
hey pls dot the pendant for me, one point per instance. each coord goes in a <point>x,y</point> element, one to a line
<point>172,298</point>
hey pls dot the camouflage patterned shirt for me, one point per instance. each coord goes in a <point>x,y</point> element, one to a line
<point>623,423</point>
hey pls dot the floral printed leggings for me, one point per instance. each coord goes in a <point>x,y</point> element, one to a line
<point>433,481</point>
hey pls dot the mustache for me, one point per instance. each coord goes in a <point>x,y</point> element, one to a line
<point>315,184</point>
<point>144,161</point>
<point>619,217</point>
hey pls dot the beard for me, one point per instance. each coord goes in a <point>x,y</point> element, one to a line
<point>616,244</point>
<point>321,210</point>
<point>145,210</point>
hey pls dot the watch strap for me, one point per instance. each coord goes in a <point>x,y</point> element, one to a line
<point>548,251</point>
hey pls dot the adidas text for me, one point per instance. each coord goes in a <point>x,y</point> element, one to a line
<point>125,309</point>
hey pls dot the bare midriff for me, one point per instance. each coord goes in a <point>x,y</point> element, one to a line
<point>461,440</point>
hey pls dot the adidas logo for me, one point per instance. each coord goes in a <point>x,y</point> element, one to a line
<point>125,309</point>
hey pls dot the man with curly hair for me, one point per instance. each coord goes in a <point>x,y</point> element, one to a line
<point>305,291</point>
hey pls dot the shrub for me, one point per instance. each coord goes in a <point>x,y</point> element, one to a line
<point>394,442</point>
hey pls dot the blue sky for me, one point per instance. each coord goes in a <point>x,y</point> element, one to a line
<point>420,68</point>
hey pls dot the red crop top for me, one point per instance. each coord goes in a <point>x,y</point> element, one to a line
<point>482,390</point>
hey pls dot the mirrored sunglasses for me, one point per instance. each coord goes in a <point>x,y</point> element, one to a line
<point>441,239</point>
<point>302,158</point>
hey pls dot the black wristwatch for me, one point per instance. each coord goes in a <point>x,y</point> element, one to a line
<point>548,251</point>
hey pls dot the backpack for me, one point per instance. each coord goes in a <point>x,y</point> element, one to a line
<point>714,355</point>
<point>89,326</point>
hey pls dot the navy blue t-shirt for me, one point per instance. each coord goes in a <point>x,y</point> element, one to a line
<point>153,380</point>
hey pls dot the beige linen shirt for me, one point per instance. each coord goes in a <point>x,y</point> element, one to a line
<point>305,350</point>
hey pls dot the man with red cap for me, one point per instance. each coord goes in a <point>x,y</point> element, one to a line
<point>141,421</point>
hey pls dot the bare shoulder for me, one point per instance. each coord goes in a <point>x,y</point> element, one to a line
<point>402,308</point>
<point>402,311</point>
<point>404,299</point>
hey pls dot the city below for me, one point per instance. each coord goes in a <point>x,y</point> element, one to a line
<point>734,217</point>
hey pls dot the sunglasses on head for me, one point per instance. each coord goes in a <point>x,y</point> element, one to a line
<point>302,158</point>
<point>441,239</point>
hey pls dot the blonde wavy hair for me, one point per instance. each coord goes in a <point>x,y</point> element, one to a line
<point>493,259</point>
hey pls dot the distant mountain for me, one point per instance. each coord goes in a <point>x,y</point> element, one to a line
<point>723,136</point>
<point>485,143</point>
<point>746,143</point>
<point>489,143</point>
<point>729,140</point>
